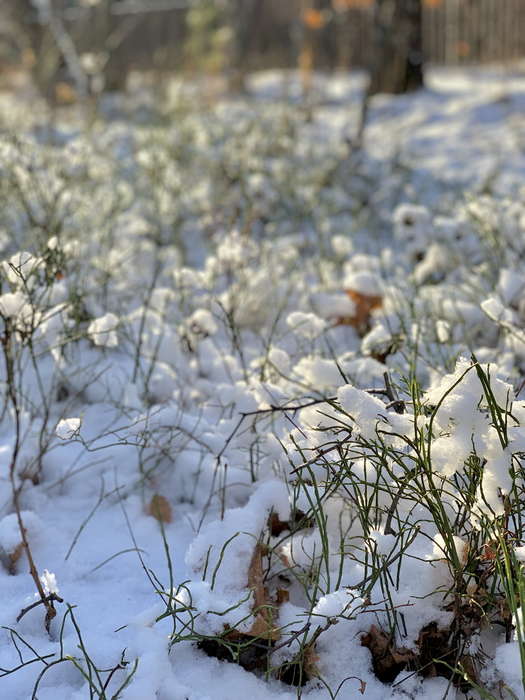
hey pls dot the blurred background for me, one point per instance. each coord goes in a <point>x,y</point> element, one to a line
<point>69,49</point>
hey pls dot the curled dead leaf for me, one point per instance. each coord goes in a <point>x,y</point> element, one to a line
<point>301,669</point>
<point>282,596</point>
<point>298,520</point>
<point>160,508</point>
<point>364,305</point>
<point>490,551</point>
<point>263,609</point>
<point>284,558</point>
<point>14,556</point>
<point>387,660</point>
<point>311,659</point>
<point>11,558</point>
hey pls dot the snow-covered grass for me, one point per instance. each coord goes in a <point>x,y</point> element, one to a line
<point>263,422</point>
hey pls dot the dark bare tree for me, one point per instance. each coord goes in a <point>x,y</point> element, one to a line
<point>244,14</point>
<point>397,63</point>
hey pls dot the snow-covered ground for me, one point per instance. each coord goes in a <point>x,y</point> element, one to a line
<point>262,394</point>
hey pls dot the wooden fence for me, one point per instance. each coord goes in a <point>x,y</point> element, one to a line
<point>454,32</point>
<point>474,31</point>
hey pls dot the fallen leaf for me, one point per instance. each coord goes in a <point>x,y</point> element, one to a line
<point>263,607</point>
<point>468,666</point>
<point>14,556</point>
<point>284,558</point>
<point>282,596</point>
<point>65,94</point>
<point>311,659</point>
<point>364,305</point>
<point>10,559</point>
<point>387,660</point>
<point>433,643</point>
<point>276,525</point>
<point>489,551</point>
<point>298,520</point>
<point>160,509</point>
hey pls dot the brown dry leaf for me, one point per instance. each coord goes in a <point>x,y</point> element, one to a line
<point>433,643</point>
<point>297,519</point>
<point>311,659</point>
<point>504,610</point>
<point>15,555</point>
<point>160,509</point>
<point>276,525</point>
<point>387,660</point>
<point>490,550</point>
<point>282,596</point>
<point>11,558</point>
<point>468,666</point>
<point>301,669</point>
<point>314,19</point>
<point>65,94</point>
<point>284,558</point>
<point>250,656</point>
<point>263,626</point>
<point>364,305</point>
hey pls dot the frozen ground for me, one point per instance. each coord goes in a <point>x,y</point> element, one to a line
<point>199,305</point>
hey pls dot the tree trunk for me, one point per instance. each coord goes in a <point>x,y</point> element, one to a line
<point>37,44</point>
<point>397,64</point>
<point>244,15</point>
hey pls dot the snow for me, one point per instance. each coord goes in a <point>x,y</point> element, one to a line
<point>187,334</point>
<point>364,282</point>
<point>49,583</point>
<point>11,304</point>
<point>68,428</point>
<point>364,409</point>
<point>103,330</point>
<point>306,324</point>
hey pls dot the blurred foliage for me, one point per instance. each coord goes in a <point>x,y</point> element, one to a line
<point>208,36</point>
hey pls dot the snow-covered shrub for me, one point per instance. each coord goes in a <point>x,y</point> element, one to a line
<point>314,366</point>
